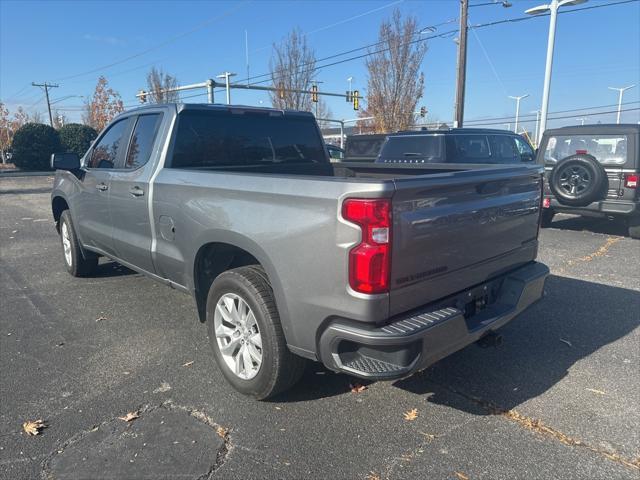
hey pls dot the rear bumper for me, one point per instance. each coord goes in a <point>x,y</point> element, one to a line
<point>412,342</point>
<point>601,208</point>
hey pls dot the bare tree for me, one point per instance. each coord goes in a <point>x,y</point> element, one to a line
<point>395,83</point>
<point>292,67</point>
<point>158,82</point>
<point>35,117</point>
<point>105,104</point>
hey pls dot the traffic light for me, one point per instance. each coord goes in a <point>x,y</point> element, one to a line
<point>356,100</point>
<point>423,112</point>
<point>314,93</point>
<point>348,96</point>
<point>281,90</point>
<point>143,96</point>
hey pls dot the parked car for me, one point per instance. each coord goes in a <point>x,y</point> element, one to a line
<point>336,154</point>
<point>290,257</point>
<point>592,170</point>
<point>456,145</point>
<point>364,147</point>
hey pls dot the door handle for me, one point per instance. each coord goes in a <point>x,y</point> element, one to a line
<point>136,191</point>
<point>102,187</point>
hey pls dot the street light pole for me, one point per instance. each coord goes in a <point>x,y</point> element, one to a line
<point>553,9</point>
<point>226,76</point>
<point>517,99</point>
<point>620,94</point>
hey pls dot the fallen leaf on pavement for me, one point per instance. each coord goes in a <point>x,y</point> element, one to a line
<point>566,341</point>
<point>411,414</point>
<point>34,427</point>
<point>600,392</point>
<point>372,476</point>
<point>130,416</point>
<point>429,436</point>
<point>357,387</point>
<point>222,432</point>
<point>100,318</point>
<point>461,476</point>
<point>188,364</point>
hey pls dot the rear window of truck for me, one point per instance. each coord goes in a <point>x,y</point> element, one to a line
<point>428,147</point>
<point>244,138</point>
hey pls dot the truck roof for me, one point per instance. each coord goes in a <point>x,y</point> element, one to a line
<point>601,128</point>
<point>451,131</point>
<point>215,106</point>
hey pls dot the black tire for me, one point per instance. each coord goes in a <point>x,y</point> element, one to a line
<point>79,262</point>
<point>546,217</point>
<point>633,224</point>
<point>578,180</point>
<point>280,369</point>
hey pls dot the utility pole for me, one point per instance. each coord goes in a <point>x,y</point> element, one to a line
<point>581,120</point>
<point>46,87</point>
<point>620,94</point>
<point>517,99</point>
<point>462,65</point>
<point>227,76</point>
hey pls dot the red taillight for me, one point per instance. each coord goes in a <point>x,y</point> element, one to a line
<point>546,203</point>
<point>370,260</point>
<point>631,180</point>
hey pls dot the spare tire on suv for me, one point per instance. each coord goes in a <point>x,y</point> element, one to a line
<point>578,180</point>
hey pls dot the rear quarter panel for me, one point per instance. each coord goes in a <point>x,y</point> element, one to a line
<point>289,223</point>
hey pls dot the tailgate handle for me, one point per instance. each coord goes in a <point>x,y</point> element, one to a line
<point>136,191</point>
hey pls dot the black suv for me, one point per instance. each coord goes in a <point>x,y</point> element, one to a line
<point>456,145</point>
<point>592,170</point>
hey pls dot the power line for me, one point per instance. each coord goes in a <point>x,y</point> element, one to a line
<point>46,87</point>
<point>593,114</point>
<point>441,35</point>
<point>481,121</point>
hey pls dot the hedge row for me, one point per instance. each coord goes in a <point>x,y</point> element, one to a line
<point>33,143</point>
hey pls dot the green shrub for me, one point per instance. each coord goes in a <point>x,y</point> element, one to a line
<point>32,146</point>
<point>76,138</point>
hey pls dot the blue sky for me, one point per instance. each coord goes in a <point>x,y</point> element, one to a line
<point>195,40</point>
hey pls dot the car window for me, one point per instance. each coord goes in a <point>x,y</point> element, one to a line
<point>364,147</point>
<point>504,149</point>
<point>607,149</point>
<point>427,148</point>
<point>142,140</point>
<point>469,149</point>
<point>224,138</point>
<point>526,152</point>
<point>105,153</point>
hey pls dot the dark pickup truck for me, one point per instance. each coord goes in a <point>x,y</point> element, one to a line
<point>374,270</point>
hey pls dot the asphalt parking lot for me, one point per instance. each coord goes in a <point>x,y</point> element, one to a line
<point>559,399</point>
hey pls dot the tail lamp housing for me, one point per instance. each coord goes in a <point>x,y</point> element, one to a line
<point>631,180</point>
<point>370,260</point>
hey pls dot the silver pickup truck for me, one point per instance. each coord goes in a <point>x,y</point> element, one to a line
<point>373,270</point>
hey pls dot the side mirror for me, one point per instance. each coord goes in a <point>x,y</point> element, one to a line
<point>527,157</point>
<point>65,161</point>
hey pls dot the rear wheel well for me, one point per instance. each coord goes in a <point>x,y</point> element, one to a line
<point>211,260</point>
<point>58,205</point>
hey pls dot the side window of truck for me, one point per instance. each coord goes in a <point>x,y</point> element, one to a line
<point>470,149</point>
<point>105,153</point>
<point>503,149</point>
<point>526,152</point>
<point>142,141</point>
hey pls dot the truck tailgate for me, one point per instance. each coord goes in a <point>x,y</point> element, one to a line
<point>460,229</point>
